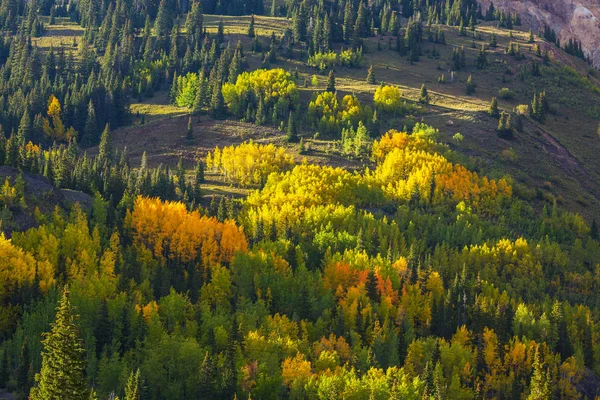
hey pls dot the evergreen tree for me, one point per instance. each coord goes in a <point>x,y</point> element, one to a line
<point>494,111</point>
<point>251,27</point>
<point>371,286</point>
<point>132,389</point>
<point>261,116</point>
<point>482,60</point>
<point>194,22</point>
<point>105,150</point>
<point>190,131</point>
<point>292,133</point>
<point>91,126</point>
<point>23,378</point>
<point>541,383</point>
<point>235,67</point>
<point>206,389</point>
<point>217,104</point>
<point>25,128</point>
<point>349,20</point>
<point>470,85</point>
<point>4,369</point>
<point>505,129</point>
<point>62,376</point>
<point>424,96</point>
<point>220,32</point>
<point>331,81</point>
<point>371,76</point>
<point>594,232</point>
<point>163,22</point>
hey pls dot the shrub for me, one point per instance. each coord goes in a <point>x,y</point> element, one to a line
<point>506,94</point>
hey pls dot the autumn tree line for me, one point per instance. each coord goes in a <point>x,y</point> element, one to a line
<point>417,279</point>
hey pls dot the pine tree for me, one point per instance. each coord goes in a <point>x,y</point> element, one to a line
<point>235,67</point>
<point>424,96</point>
<point>200,94</point>
<point>105,150</point>
<point>251,27</point>
<point>4,369</point>
<point>206,388</point>
<point>23,378</point>
<point>132,389</point>
<point>62,376</point>
<point>494,111</point>
<point>470,85</point>
<point>194,22</point>
<point>482,58</point>
<point>162,24</point>
<point>371,286</point>
<point>594,231</point>
<point>541,383</point>
<point>220,32</point>
<point>292,133</point>
<point>371,76</point>
<point>348,27</point>
<point>505,129</point>
<point>190,131</point>
<point>331,81</point>
<point>25,128</point>
<point>260,117</point>
<point>217,104</point>
<point>91,126</point>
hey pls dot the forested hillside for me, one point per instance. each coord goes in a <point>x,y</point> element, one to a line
<point>307,200</point>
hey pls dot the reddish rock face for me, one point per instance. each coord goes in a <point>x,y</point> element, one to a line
<point>570,19</point>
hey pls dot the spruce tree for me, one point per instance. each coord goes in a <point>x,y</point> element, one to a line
<point>331,81</point>
<point>23,378</point>
<point>25,128</point>
<point>482,58</point>
<point>199,99</point>
<point>251,27</point>
<point>91,126</point>
<point>371,76</point>
<point>206,389</point>
<point>505,129</point>
<point>235,67</point>
<point>470,85</point>
<point>424,96</point>
<point>260,117</point>
<point>105,150</point>
<point>162,24</point>
<point>217,104</point>
<point>190,131</point>
<point>220,32</point>
<point>194,22</point>
<point>541,382</point>
<point>4,369</point>
<point>132,389</point>
<point>62,376</point>
<point>292,133</point>
<point>594,232</point>
<point>494,111</point>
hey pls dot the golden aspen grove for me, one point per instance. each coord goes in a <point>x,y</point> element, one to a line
<point>299,200</point>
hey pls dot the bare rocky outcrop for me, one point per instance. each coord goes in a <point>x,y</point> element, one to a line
<point>570,19</point>
<point>40,194</point>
